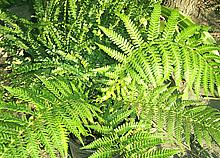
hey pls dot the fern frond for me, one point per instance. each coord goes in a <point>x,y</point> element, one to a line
<point>47,143</point>
<point>50,86</point>
<point>132,30</point>
<point>154,27</point>
<point>166,60</point>
<point>208,122</point>
<point>113,53</point>
<point>72,10</point>
<point>25,95</point>
<point>101,129</point>
<point>198,81</point>
<point>105,141</point>
<point>185,34</point>
<point>103,152</point>
<point>140,143</point>
<point>141,63</point>
<point>158,153</point>
<point>205,79</point>
<point>120,117</point>
<point>118,40</point>
<point>156,66</point>
<point>171,25</point>
<point>32,144</point>
<point>126,127</point>
<point>178,65</point>
<point>207,48</point>
<point>217,77</point>
<point>15,108</point>
<point>22,69</point>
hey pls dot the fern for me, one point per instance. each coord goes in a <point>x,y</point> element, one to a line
<point>48,118</point>
<point>129,141</point>
<point>174,53</point>
<point>179,119</point>
<point>130,107</point>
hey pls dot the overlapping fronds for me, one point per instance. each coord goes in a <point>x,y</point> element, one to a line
<point>130,140</point>
<point>45,118</point>
<point>141,114</point>
<point>173,54</point>
<point>163,109</point>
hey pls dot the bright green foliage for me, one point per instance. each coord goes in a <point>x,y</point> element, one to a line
<point>129,139</point>
<point>56,21</point>
<point>178,118</point>
<point>60,29</point>
<point>173,53</point>
<point>62,84</point>
<point>159,111</point>
<point>45,118</point>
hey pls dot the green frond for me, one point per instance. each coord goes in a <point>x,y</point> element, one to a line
<point>205,79</point>
<point>154,27</point>
<point>118,40</point>
<point>198,80</point>
<point>62,114</point>
<point>171,25</point>
<point>101,129</point>
<point>217,78</point>
<point>188,32</point>
<point>171,115</point>
<point>166,94</point>
<point>139,143</point>
<point>166,60</point>
<point>120,117</point>
<point>25,95</point>
<point>55,36</point>
<point>207,119</point>
<point>207,48</point>
<point>211,81</point>
<point>39,8</point>
<point>169,58</point>
<point>156,66</point>
<point>72,9</point>
<point>32,144</point>
<point>101,142</point>
<point>179,119</point>
<point>124,128</point>
<point>15,108</point>
<point>187,65</point>
<point>103,152</point>
<point>141,63</point>
<point>131,143</point>
<point>22,69</point>
<point>178,64</point>
<point>132,30</point>
<point>46,141</point>
<point>113,53</point>
<point>59,134</point>
<point>129,107</point>
<point>158,153</point>
<point>179,129</point>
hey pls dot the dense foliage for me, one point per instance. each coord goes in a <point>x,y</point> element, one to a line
<point>132,78</point>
